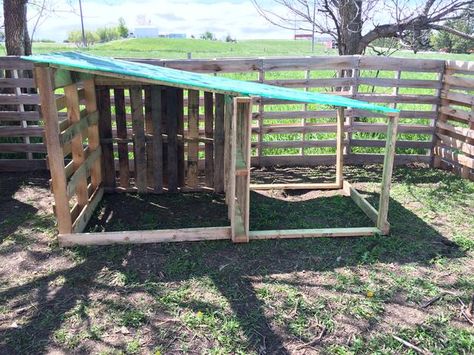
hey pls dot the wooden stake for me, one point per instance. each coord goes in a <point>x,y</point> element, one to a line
<point>339,146</point>
<point>193,133</point>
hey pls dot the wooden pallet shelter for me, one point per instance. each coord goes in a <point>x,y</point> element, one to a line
<point>81,157</point>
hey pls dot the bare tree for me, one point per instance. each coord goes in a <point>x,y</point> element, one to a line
<point>356,24</point>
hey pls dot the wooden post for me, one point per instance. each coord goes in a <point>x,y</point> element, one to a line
<point>138,126</point>
<point>382,222</point>
<point>49,113</point>
<point>209,133</point>
<point>156,117</point>
<point>172,126</point>
<point>122,145</point>
<point>241,152</point>
<point>105,130</point>
<point>219,145</point>
<point>339,146</point>
<point>193,135</point>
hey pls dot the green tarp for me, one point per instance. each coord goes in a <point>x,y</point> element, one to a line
<point>109,66</point>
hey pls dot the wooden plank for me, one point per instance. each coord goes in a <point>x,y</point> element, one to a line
<point>17,165</point>
<point>172,129</point>
<point>466,67</point>
<point>14,63</point>
<point>461,131</point>
<point>55,156</point>
<point>314,233</point>
<point>296,186</point>
<point>193,133</point>
<point>360,201</point>
<point>454,156</point>
<point>457,115</point>
<point>85,215</point>
<point>382,222</point>
<point>22,147</point>
<point>18,131</point>
<point>77,149</point>
<point>138,126</point>
<point>105,129</point>
<point>10,116</point>
<point>461,82</point>
<point>219,145</point>
<point>209,133</point>
<point>456,144</point>
<point>25,99</point>
<point>156,116</point>
<point>405,64</point>
<point>17,83</point>
<point>458,98</point>
<point>339,146</point>
<point>148,133</point>
<point>75,128</point>
<point>146,236</point>
<point>64,78</point>
<point>180,132</point>
<point>122,147</point>
<point>82,172</point>
<point>90,99</point>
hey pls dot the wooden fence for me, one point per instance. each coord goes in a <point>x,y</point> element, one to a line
<point>431,94</point>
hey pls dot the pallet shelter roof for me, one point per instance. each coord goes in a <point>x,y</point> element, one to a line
<point>111,67</point>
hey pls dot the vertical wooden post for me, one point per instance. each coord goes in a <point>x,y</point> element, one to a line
<point>219,145</point>
<point>382,222</point>
<point>339,146</point>
<point>209,133</point>
<point>122,145</point>
<point>156,117</point>
<point>172,146</point>
<point>49,113</point>
<point>105,130</point>
<point>241,151</point>
<point>441,117</point>
<point>193,135</point>
<point>138,126</point>
<point>180,131</point>
<point>228,129</point>
<point>148,138</point>
<point>93,132</point>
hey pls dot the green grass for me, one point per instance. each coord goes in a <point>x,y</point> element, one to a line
<point>267,296</point>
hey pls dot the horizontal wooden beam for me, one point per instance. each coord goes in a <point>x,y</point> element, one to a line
<point>295,186</point>
<point>360,201</point>
<point>146,236</point>
<point>314,233</point>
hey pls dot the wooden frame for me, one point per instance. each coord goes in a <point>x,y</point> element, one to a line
<point>79,184</point>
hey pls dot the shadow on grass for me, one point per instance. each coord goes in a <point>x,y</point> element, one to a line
<point>231,268</point>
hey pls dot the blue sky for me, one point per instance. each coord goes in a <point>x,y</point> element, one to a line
<point>237,18</point>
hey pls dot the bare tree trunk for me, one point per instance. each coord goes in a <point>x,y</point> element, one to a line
<point>350,27</point>
<point>17,39</point>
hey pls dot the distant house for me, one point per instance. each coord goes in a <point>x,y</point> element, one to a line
<point>303,36</point>
<point>176,35</point>
<point>145,32</point>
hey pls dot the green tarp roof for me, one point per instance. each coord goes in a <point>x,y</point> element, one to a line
<point>109,66</point>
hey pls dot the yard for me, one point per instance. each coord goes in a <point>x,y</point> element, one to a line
<point>343,296</point>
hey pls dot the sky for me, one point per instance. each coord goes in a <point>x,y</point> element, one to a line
<point>193,17</point>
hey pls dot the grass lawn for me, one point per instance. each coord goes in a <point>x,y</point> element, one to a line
<point>333,296</point>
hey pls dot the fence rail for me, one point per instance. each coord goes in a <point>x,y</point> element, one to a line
<point>435,98</point>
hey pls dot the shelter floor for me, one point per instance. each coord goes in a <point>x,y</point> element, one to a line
<point>273,209</point>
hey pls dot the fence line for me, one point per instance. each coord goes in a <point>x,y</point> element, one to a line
<point>435,97</point>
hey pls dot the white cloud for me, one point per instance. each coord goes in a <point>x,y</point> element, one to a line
<point>237,18</point>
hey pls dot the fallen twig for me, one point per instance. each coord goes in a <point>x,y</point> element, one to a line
<point>411,346</point>
<point>437,298</point>
<point>314,341</point>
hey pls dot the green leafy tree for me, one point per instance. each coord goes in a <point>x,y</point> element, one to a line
<point>208,36</point>
<point>76,37</point>
<point>451,43</point>
<point>107,34</point>
<point>122,28</point>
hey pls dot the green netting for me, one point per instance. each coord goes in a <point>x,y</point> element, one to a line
<point>85,62</point>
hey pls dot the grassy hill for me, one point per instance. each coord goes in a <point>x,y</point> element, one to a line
<point>178,48</point>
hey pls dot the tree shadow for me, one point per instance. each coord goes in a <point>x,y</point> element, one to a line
<point>231,268</point>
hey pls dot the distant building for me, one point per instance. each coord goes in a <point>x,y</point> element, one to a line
<point>303,36</point>
<point>176,35</point>
<point>145,32</point>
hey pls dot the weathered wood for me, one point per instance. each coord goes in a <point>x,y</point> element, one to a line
<point>77,176</point>
<point>85,215</point>
<point>296,186</point>
<point>193,133</point>
<point>219,144</point>
<point>138,125</point>
<point>76,127</point>
<point>122,148</point>
<point>49,114</point>
<point>209,133</point>
<point>142,237</point>
<point>172,130</point>
<point>180,132</point>
<point>382,222</point>
<point>105,129</point>
<point>339,146</point>
<point>314,233</point>
<point>149,157</point>
<point>360,201</point>
<point>73,110</point>
<point>156,116</point>
<point>93,131</point>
